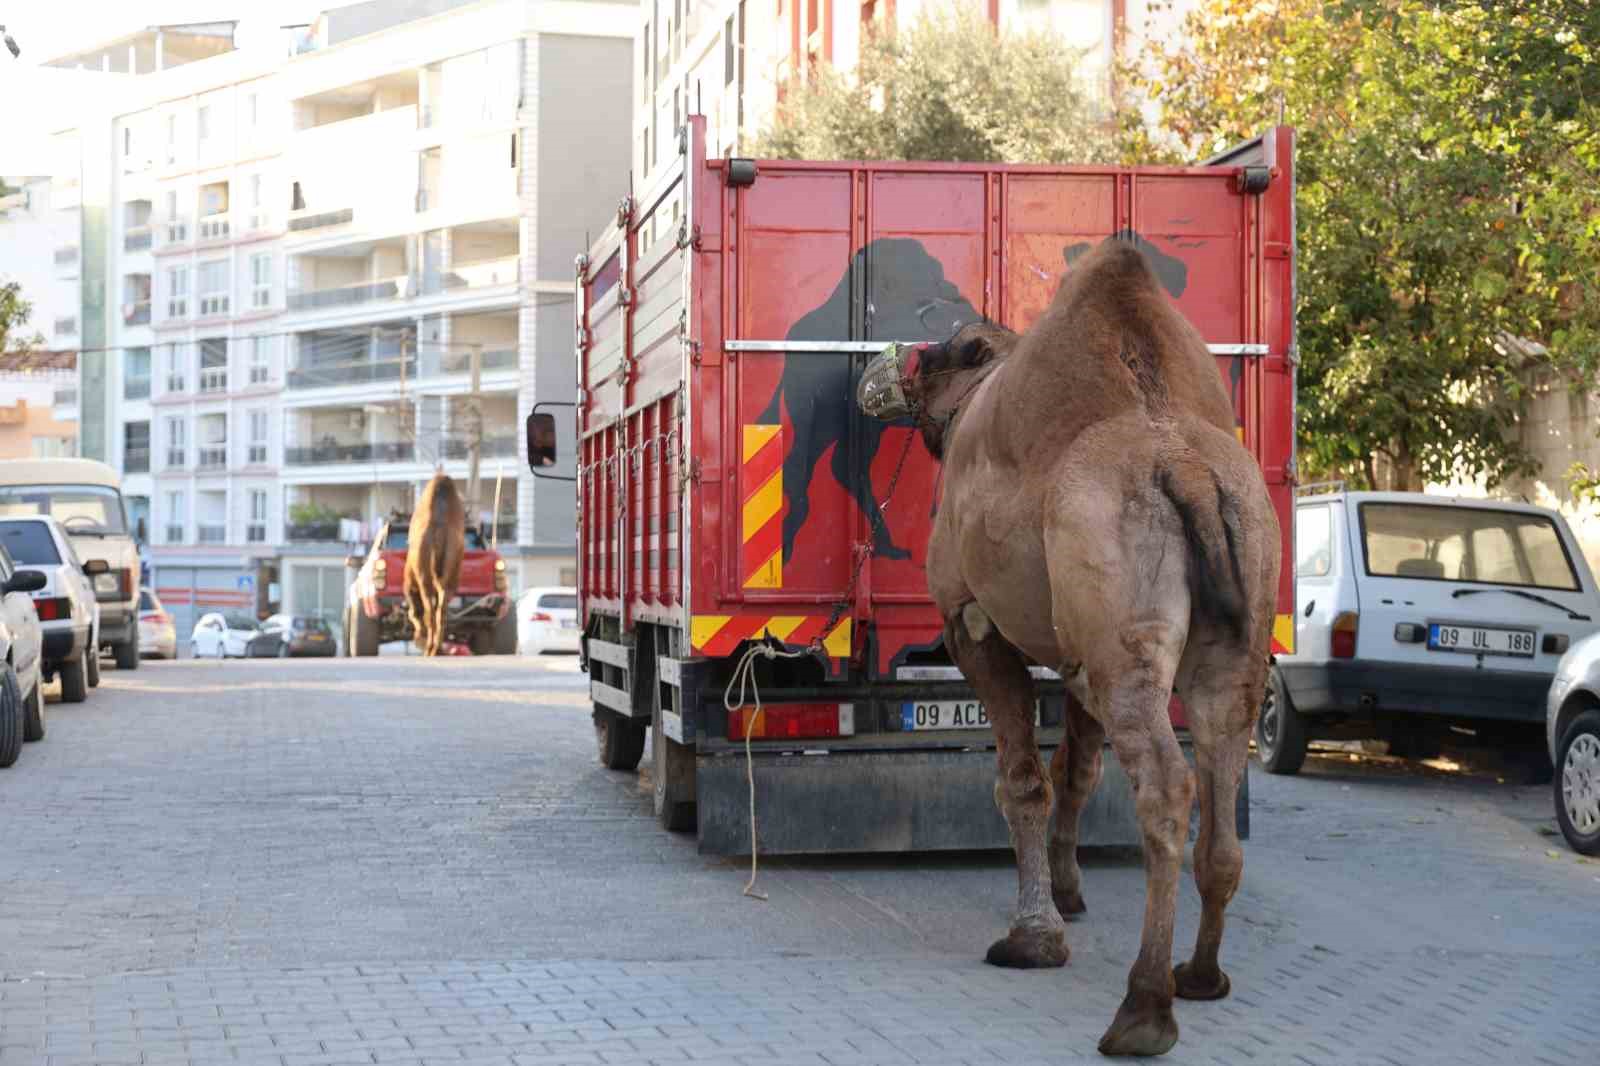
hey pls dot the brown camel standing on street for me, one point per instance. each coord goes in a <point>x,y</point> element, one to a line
<point>435,543</point>
<point>1100,517</point>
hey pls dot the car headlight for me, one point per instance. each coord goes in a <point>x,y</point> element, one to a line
<point>110,583</point>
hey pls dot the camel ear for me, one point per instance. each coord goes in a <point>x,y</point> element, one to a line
<point>982,342</point>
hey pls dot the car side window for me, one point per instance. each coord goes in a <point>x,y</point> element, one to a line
<point>1313,540</point>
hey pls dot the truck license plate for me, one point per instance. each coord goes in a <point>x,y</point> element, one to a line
<point>919,716</point>
<point>1478,640</point>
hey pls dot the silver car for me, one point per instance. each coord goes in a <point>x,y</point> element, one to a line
<point>1572,728</point>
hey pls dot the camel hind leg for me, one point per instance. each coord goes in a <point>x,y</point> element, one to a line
<point>441,599</point>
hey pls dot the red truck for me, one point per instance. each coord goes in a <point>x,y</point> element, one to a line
<point>480,614</point>
<point>730,491</point>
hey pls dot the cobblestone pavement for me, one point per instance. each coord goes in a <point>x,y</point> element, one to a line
<point>327,862</point>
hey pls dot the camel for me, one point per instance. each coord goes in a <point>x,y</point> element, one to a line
<point>435,543</point>
<point>1100,517</point>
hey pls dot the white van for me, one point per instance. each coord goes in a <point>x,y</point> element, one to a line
<point>1417,612</point>
<point>85,496</point>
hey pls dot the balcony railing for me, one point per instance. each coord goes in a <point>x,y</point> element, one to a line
<point>174,534</point>
<point>305,220</point>
<point>214,379</point>
<point>255,533</point>
<point>176,383</point>
<point>504,271</point>
<point>136,314</point>
<point>461,362</point>
<point>136,389</point>
<point>214,227</point>
<point>177,230</point>
<point>310,531</point>
<point>346,295</point>
<point>493,448</point>
<point>177,458</point>
<point>211,532</point>
<point>137,240</point>
<point>214,457</point>
<point>214,304</point>
<point>136,460</point>
<point>353,373</point>
<point>400,451</point>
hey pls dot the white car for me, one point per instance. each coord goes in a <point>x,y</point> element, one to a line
<point>223,636</point>
<point>158,636</point>
<point>1572,732</point>
<point>21,660</point>
<point>69,615</point>
<point>1416,613</point>
<point>547,620</point>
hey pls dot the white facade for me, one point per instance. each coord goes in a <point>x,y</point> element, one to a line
<point>39,235</point>
<point>305,257</point>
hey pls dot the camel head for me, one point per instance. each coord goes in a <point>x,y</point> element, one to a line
<point>928,382</point>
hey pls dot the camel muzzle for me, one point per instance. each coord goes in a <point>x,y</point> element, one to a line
<point>881,393</point>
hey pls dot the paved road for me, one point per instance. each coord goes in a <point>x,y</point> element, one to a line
<point>417,861</point>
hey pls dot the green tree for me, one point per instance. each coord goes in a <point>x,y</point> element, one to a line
<point>1448,161</point>
<point>14,312</point>
<point>946,87</point>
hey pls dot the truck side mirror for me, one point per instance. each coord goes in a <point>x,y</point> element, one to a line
<point>541,440</point>
<point>96,566</point>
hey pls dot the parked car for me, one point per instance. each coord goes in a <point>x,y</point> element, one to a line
<point>231,635</point>
<point>300,635</point>
<point>547,620</point>
<point>21,659</point>
<point>1572,731</point>
<point>158,636</point>
<point>69,615</point>
<point>1417,613</point>
<point>85,496</point>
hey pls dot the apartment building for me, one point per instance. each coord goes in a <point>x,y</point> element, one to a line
<point>38,393</point>
<point>327,270</point>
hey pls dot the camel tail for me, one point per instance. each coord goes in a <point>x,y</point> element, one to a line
<point>1210,517</point>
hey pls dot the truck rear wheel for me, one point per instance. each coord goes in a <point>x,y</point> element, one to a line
<point>364,632</point>
<point>621,740</point>
<point>673,768</point>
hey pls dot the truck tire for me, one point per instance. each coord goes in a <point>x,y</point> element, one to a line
<point>673,769</point>
<point>1281,733</point>
<point>620,740</point>
<point>127,652</point>
<point>33,712</point>
<point>75,679</point>
<point>505,633</point>
<point>364,641</point>
<point>11,715</point>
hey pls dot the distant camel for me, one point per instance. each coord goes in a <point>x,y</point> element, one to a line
<point>435,543</point>
<point>1100,517</point>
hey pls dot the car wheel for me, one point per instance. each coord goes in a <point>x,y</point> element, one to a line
<point>1281,734</point>
<point>1577,784</point>
<point>127,653</point>
<point>75,679</point>
<point>194,650</point>
<point>33,712</point>
<point>92,653</point>
<point>11,715</point>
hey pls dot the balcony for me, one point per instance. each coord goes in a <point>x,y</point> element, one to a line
<point>350,295</point>
<point>489,272</point>
<point>300,221</point>
<point>136,461</point>
<point>176,230</point>
<point>461,362</point>
<point>214,379</point>
<point>214,304</point>
<point>312,531</point>
<point>400,451</point>
<point>136,314</point>
<point>362,372</point>
<point>214,457</point>
<point>212,532</point>
<point>137,240</point>
<point>493,448</point>
<point>136,388</point>
<point>214,227</point>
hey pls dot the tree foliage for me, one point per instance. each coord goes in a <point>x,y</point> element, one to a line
<point>14,312</point>
<point>1448,168</point>
<point>946,87</point>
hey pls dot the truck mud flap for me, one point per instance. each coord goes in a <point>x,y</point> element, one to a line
<point>891,801</point>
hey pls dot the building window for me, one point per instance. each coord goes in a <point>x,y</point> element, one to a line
<point>135,447</point>
<point>136,375</point>
<point>260,369</point>
<point>256,531</point>
<point>258,203</point>
<point>213,449</point>
<point>202,121</point>
<point>174,517</point>
<point>177,368</point>
<point>214,364</point>
<point>258,436</point>
<point>214,287</point>
<point>261,279</point>
<point>52,447</point>
<point>177,292</point>
<point>175,441</point>
<point>177,225</point>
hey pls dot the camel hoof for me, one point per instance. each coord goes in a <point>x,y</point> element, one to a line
<point>1199,985</point>
<point>1142,1027</point>
<point>1070,904</point>
<point>1029,949</point>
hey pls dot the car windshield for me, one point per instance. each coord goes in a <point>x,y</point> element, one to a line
<point>310,625</point>
<point>396,541</point>
<point>1478,544</point>
<point>241,621</point>
<point>559,600</point>
<point>79,508</point>
<point>30,543</point>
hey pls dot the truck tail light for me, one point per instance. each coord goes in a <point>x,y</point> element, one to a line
<point>1344,635</point>
<point>51,608</point>
<point>500,583</point>
<point>793,721</point>
<point>380,572</point>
